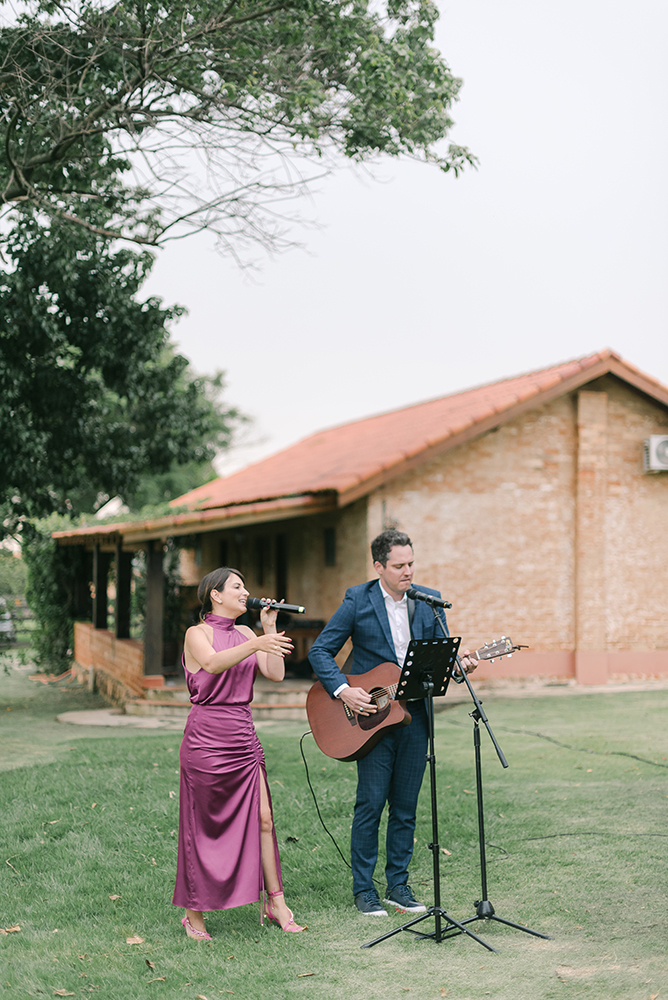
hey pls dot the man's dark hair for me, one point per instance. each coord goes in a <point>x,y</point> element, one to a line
<point>381,545</point>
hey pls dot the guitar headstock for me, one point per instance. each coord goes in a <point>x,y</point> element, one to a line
<point>496,649</point>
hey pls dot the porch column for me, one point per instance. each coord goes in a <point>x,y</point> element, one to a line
<point>123,590</point>
<point>591,658</point>
<point>101,562</point>
<point>154,609</point>
<point>82,603</point>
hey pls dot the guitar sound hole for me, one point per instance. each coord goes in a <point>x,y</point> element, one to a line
<point>383,706</point>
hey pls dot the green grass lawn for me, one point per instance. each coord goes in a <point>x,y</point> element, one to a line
<point>576,840</point>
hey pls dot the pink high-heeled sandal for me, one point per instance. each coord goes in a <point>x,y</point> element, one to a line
<point>291,926</point>
<point>192,932</point>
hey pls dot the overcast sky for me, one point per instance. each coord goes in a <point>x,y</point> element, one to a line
<point>416,284</point>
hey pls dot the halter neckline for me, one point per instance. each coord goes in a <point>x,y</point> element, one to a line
<point>217,621</point>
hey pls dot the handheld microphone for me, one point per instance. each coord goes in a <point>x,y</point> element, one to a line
<point>257,603</point>
<point>434,602</point>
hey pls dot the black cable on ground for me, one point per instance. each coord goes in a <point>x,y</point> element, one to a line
<point>315,801</point>
<point>593,833</point>
<point>567,746</point>
<point>317,808</point>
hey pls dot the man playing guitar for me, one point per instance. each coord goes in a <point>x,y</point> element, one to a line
<point>381,620</point>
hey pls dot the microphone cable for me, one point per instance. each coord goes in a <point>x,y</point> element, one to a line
<point>315,801</point>
<point>317,807</point>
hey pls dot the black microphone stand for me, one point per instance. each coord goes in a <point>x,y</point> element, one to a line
<point>484,909</point>
<point>428,668</point>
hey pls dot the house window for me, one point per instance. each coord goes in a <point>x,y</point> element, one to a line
<point>329,539</point>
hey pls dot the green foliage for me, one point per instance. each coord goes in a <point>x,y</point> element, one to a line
<point>159,488</point>
<point>94,394</point>
<point>52,574</point>
<point>85,85</point>
<point>13,575</point>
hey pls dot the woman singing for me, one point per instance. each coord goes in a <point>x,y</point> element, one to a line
<point>228,854</point>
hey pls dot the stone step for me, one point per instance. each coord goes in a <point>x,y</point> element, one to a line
<point>282,702</point>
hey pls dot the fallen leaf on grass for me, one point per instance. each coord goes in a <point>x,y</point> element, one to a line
<point>12,930</point>
<point>302,975</point>
<point>227,991</point>
<point>653,996</point>
<point>200,996</point>
<point>62,993</point>
<point>151,965</point>
<point>443,993</point>
<point>172,794</point>
<point>229,957</point>
<point>466,792</point>
<point>446,851</point>
<point>160,979</point>
<point>134,940</point>
<point>115,896</point>
<point>93,805</point>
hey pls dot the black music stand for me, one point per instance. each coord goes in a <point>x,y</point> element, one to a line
<point>483,907</point>
<point>426,673</point>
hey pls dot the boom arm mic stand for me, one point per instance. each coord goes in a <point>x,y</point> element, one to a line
<point>484,909</point>
<point>427,671</point>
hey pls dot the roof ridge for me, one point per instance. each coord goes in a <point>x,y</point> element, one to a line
<point>596,356</point>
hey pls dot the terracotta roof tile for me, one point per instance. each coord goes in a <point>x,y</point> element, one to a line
<point>341,459</point>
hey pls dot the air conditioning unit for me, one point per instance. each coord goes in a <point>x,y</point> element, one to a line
<point>656,453</point>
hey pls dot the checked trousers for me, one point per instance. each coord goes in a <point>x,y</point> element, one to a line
<point>392,772</point>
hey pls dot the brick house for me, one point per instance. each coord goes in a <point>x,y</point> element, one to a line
<point>526,500</point>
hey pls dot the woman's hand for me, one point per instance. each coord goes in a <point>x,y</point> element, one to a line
<point>268,618</point>
<point>276,643</point>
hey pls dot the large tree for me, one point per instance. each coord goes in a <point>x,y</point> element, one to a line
<point>218,109</point>
<point>94,396</point>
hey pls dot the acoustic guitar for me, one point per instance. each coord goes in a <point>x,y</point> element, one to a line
<point>343,734</point>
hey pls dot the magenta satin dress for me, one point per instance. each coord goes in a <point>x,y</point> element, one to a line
<point>222,763</point>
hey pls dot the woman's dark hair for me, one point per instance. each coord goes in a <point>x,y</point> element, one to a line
<point>215,580</point>
<point>381,545</point>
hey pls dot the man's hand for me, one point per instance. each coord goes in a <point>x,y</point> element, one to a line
<point>358,700</point>
<point>468,660</point>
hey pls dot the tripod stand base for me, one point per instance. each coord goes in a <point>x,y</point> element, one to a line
<point>439,934</point>
<point>485,911</point>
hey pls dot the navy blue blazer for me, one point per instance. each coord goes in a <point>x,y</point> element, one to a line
<point>362,617</point>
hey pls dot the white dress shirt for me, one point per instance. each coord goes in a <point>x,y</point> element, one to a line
<point>397,613</point>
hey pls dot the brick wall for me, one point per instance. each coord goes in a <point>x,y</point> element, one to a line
<point>547,530</point>
<point>117,663</point>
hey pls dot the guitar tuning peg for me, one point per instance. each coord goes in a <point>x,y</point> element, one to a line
<point>510,656</point>
<point>491,660</point>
